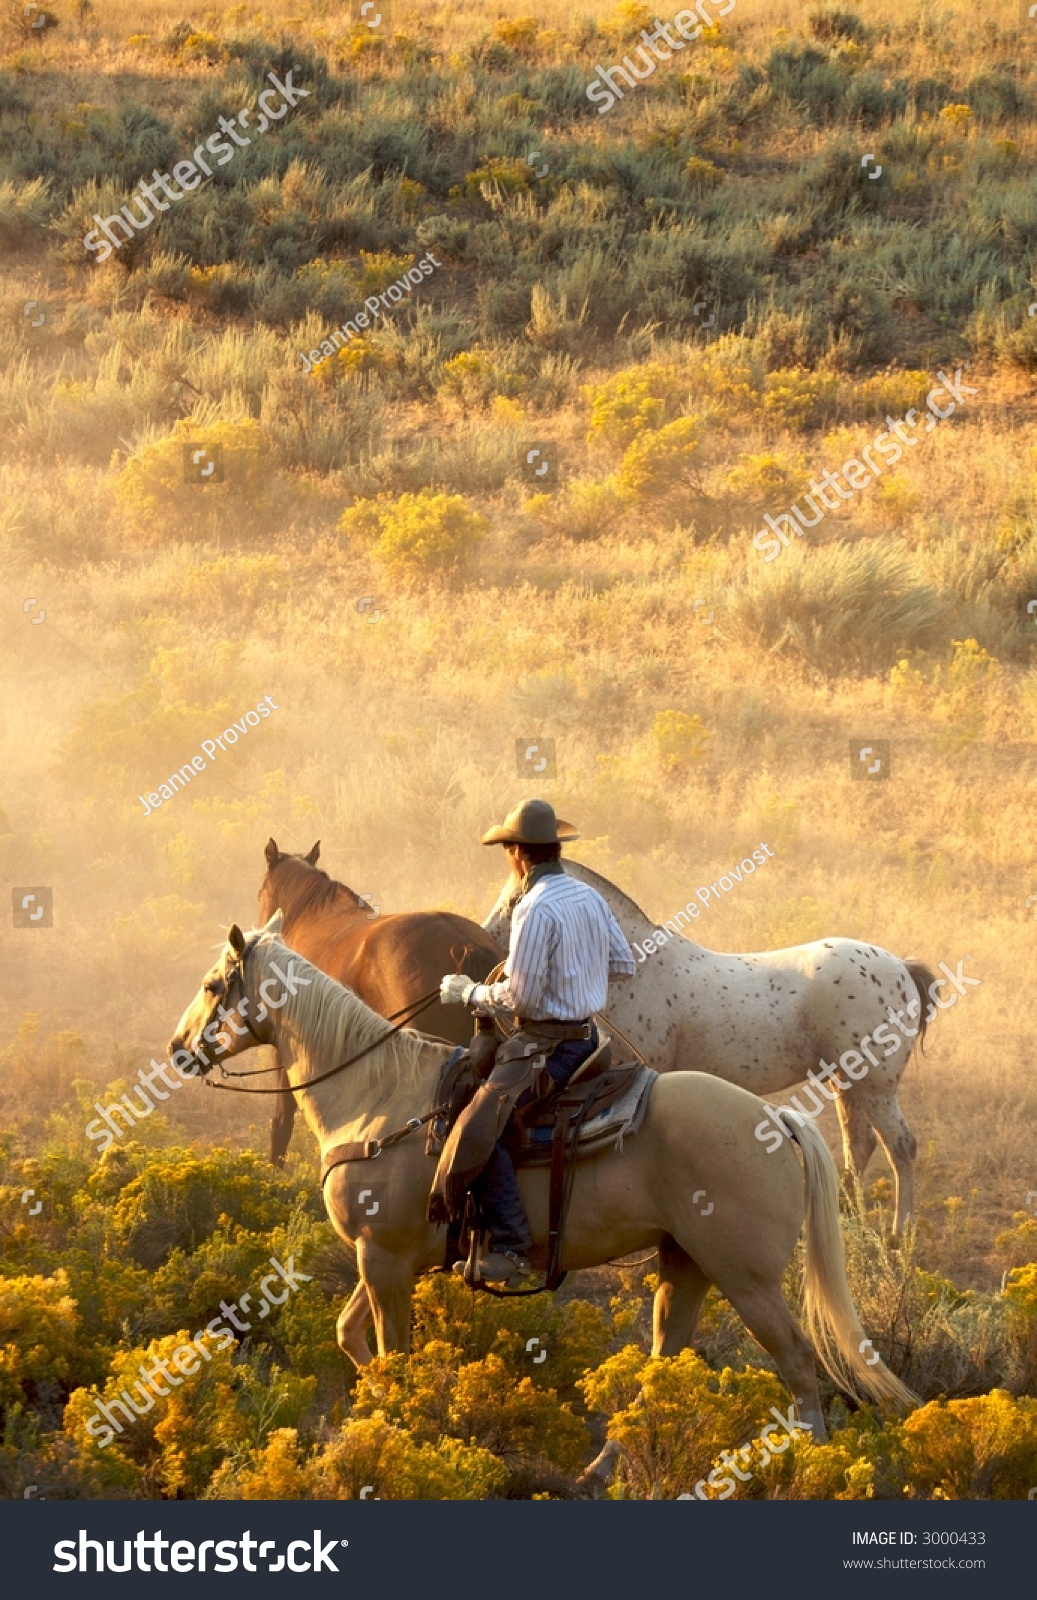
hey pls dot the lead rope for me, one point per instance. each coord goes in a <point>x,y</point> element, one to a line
<point>630,1046</point>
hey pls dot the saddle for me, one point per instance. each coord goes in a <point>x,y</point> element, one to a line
<point>588,1098</point>
<point>598,1106</point>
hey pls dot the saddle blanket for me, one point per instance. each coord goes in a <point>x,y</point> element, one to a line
<point>621,1120</point>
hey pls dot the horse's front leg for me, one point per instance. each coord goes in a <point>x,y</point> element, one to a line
<point>389,1280</point>
<point>352,1327</point>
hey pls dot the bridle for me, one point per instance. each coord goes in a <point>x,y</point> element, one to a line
<point>222,998</point>
<point>238,971</point>
<point>406,1015</point>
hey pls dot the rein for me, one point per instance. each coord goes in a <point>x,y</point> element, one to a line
<point>406,1014</point>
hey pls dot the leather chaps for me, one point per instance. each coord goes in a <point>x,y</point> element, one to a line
<point>520,1066</point>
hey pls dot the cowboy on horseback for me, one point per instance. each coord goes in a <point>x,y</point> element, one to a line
<point>565,947</point>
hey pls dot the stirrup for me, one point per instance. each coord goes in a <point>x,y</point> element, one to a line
<point>471,1269</point>
<point>519,1264</point>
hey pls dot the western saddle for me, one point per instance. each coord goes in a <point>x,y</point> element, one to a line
<point>548,1131</point>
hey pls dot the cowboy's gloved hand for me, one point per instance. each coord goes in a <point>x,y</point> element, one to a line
<point>456,989</point>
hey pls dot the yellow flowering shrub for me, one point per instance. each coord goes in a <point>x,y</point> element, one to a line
<point>800,397</point>
<point>366,1453</point>
<point>910,684</point>
<point>962,699</point>
<point>518,33</point>
<point>627,21</point>
<point>1020,1243</point>
<point>473,379</point>
<point>771,477</point>
<point>727,379</point>
<point>417,533</point>
<point>1021,1299</point>
<point>162,483</point>
<point>633,401</point>
<point>979,1449</point>
<point>510,176</point>
<point>183,1435</point>
<point>889,394</point>
<point>703,174</point>
<point>379,268</point>
<point>485,1403</point>
<point>234,580</point>
<point>180,688</point>
<point>659,464</point>
<point>957,117</point>
<point>361,41</point>
<point>678,739</point>
<point>583,509</point>
<point>673,1415</point>
<point>899,496</point>
<point>39,1326</point>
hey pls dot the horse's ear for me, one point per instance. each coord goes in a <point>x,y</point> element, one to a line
<point>271,853</point>
<point>236,939</point>
<point>275,925</point>
<point>314,854</point>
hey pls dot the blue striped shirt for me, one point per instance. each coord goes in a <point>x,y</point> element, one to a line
<point>565,945</point>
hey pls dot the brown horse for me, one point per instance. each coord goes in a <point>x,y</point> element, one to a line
<point>388,961</point>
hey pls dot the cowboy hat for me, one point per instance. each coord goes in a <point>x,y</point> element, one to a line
<point>532,822</point>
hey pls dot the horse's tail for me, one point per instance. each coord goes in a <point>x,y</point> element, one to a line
<point>923,979</point>
<point>828,1309</point>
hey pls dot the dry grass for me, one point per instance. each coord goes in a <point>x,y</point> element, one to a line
<point>395,741</point>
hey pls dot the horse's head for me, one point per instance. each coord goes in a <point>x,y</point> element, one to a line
<point>271,890</point>
<point>224,1019</point>
<point>301,889</point>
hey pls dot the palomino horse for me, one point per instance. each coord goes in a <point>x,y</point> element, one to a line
<point>697,1135</point>
<point>388,961</point>
<point>765,1020</point>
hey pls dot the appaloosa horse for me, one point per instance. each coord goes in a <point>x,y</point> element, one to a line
<point>697,1136</point>
<point>389,961</point>
<point>765,1020</point>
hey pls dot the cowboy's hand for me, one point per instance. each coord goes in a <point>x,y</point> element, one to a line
<point>456,989</point>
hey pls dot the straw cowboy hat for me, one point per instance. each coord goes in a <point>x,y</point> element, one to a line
<point>532,822</point>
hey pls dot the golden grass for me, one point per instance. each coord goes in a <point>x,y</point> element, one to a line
<point>396,739</point>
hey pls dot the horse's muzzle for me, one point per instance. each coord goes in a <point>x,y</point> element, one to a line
<point>201,1064</point>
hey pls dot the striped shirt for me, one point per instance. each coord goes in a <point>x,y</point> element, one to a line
<point>565,945</point>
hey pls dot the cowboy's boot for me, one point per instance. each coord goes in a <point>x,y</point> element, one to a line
<point>498,1266</point>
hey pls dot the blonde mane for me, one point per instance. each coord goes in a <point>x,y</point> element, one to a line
<point>336,1024</point>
